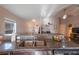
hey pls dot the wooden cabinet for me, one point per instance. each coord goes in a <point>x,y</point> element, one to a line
<point>1,39</point>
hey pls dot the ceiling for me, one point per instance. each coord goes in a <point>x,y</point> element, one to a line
<point>34,11</point>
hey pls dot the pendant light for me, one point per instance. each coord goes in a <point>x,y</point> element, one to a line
<point>65,15</point>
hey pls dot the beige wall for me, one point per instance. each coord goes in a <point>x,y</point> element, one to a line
<point>72,18</point>
<point>29,26</point>
<point>54,27</point>
<point>19,21</point>
<point>55,24</point>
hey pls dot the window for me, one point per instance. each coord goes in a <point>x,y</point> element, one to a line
<point>10,27</point>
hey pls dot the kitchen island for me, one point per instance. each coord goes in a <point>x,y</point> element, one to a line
<point>12,50</point>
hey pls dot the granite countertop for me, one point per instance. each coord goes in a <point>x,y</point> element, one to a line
<point>7,46</point>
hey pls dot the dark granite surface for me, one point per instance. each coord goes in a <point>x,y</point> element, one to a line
<point>7,46</point>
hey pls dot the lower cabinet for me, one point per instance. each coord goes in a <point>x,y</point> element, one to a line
<point>66,51</point>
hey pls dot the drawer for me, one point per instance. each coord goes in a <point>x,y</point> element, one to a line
<point>39,43</point>
<point>28,43</point>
